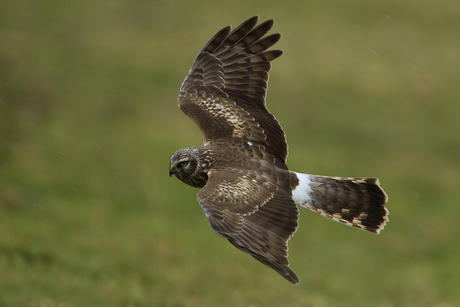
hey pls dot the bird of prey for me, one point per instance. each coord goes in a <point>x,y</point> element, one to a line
<point>248,194</point>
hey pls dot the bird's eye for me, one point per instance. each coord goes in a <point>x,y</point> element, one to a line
<point>184,163</point>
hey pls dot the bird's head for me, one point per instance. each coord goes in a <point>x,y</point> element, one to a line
<point>183,164</point>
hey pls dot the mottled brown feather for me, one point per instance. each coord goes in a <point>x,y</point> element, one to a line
<point>232,70</point>
<point>358,202</point>
<point>253,213</point>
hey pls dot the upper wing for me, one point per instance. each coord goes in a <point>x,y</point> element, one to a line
<point>253,213</point>
<point>224,91</point>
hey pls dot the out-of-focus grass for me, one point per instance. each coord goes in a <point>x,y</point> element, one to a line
<point>88,121</point>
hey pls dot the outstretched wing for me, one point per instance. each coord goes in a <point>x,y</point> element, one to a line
<point>254,212</point>
<point>224,91</point>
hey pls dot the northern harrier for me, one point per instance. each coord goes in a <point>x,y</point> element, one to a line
<point>248,194</point>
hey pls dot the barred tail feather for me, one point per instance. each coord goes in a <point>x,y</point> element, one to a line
<point>357,202</point>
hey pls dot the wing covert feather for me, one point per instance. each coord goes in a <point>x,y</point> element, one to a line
<point>225,89</point>
<point>254,214</point>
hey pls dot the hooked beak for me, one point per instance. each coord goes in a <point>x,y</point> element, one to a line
<point>171,170</point>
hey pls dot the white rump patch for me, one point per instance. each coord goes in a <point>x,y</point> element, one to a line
<point>301,194</point>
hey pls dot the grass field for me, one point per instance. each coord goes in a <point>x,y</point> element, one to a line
<point>89,119</point>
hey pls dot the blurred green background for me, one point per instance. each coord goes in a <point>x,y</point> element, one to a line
<point>89,119</point>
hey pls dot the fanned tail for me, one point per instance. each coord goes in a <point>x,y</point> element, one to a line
<point>357,202</point>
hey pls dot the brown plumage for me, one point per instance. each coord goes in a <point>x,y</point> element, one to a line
<point>248,193</point>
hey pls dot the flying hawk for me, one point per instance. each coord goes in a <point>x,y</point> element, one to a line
<point>248,194</point>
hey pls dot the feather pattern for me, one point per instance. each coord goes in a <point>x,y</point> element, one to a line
<point>232,71</point>
<point>248,194</point>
